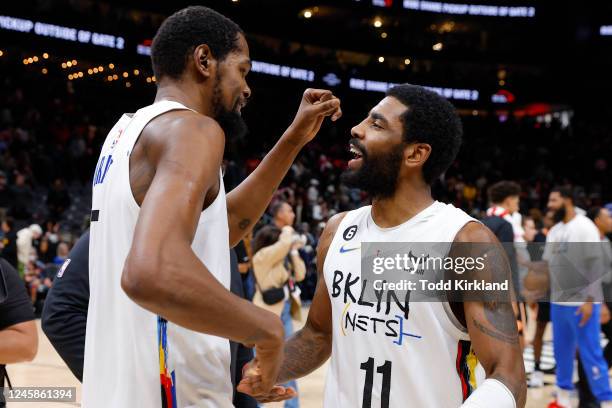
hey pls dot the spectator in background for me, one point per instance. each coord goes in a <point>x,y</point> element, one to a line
<point>5,196</point>
<point>278,265</point>
<point>576,324</point>
<point>18,335</point>
<point>603,221</point>
<point>25,246</point>
<point>21,199</point>
<point>58,199</point>
<point>62,253</point>
<point>504,198</point>
<point>8,242</point>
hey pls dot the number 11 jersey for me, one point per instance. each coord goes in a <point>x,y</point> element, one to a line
<point>388,352</point>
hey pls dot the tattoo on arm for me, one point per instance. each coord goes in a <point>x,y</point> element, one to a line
<point>510,338</point>
<point>244,223</point>
<point>304,352</point>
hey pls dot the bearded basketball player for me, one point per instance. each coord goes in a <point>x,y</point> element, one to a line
<point>160,312</point>
<point>420,355</point>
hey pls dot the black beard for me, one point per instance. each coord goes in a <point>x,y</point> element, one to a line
<point>231,121</point>
<point>377,175</point>
<point>559,215</point>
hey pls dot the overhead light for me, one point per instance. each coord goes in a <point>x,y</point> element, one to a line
<point>35,59</point>
<point>407,61</point>
<point>128,84</point>
<point>475,112</point>
<point>30,60</point>
<point>90,71</point>
<point>125,74</point>
<point>68,64</point>
<point>502,82</point>
<point>148,80</point>
<point>100,68</point>
<point>437,46</point>
<point>307,14</point>
<point>25,61</point>
<point>136,72</point>
<point>80,75</point>
<point>64,65</point>
<point>153,78</point>
<point>381,59</point>
<point>74,62</point>
<point>44,71</point>
<point>1,53</point>
<point>109,78</point>
<point>377,23</point>
<point>111,66</point>
<point>383,35</point>
<point>95,70</point>
<point>70,76</point>
<point>115,77</point>
<point>45,55</point>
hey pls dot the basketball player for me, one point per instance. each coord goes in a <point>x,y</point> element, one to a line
<point>160,312</point>
<point>420,354</point>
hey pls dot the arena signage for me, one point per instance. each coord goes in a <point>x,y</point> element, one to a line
<point>282,71</point>
<point>61,32</point>
<point>448,93</point>
<point>469,9</point>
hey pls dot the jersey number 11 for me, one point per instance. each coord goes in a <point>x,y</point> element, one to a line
<point>385,370</point>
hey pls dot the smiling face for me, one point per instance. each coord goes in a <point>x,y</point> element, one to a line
<point>377,147</point>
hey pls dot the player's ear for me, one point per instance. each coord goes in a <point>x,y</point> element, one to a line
<point>415,154</point>
<point>204,62</point>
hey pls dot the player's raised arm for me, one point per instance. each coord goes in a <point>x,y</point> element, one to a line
<point>162,273</point>
<point>247,202</point>
<point>310,347</point>
<point>491,325</point>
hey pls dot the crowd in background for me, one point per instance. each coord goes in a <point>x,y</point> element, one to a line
<point>49,145</point>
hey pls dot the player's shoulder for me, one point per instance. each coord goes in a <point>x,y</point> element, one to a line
<point>333,224</point>
<point>184,125</point>
<point>474,231</point>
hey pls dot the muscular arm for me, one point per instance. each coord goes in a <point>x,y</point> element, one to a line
<point>490,322</point>
<point>18,343</point>
<point>162,273</point>
<point>310,347</point>
<point>247,202</point>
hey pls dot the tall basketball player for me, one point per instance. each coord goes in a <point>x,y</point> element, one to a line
<point>160,312</point>
<point>421,354</point>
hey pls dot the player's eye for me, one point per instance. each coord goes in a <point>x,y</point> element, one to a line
<point>376,125</point>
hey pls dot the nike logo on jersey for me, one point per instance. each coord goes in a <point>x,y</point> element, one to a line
<point>343,249</point>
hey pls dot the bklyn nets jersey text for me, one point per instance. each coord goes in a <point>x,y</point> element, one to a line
<point>396,353</point>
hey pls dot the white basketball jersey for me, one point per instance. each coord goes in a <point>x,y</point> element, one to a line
<point>394,354</point>
<point>133,358</point>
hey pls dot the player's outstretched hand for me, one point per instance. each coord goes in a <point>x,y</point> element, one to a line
<point>316,105</point>
<point>251,385</point>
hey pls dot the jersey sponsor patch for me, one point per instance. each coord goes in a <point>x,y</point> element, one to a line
<point>60,273</point>
<point>349,233</point>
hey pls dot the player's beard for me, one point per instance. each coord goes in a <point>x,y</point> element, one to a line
<point>378,174</point>
<point>230,121</point>
<point>559,215</point>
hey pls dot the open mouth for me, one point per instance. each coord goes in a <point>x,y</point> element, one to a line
<point>357,156</point>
